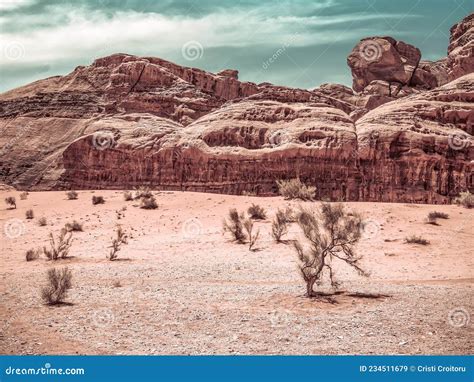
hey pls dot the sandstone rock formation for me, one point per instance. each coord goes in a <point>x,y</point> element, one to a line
<point>461,48</point>
<point>403,134</point>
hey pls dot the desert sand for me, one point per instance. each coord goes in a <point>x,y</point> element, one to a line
<point>181,286</point>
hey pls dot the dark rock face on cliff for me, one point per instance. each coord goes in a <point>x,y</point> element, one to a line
<point>403,134</point>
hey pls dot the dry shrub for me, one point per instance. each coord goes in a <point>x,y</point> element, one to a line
<point>127,195</point>
<point>295,189</point>
<point>59,282</point>
<point>11,201</point>
<point>256,212</point>
<point>74,226</point>
<point>59,249</point>
<point>24,195</point>
<point>465,199</point>
<point>248,225</point>
<point>233,224</point>
<point>143,192</point>
<point>414,239</point>
<point>32,254</point>
<point>148,203</point>
<point>42,221</point>
<point>280,225</point>
<point>121,238</point>
<point>433,216</point>
<point>72,195</point>
<point>29,214</point>
<point>97,200</point>
<point>331,235</point>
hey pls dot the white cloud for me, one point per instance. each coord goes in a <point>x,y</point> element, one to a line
<point>7,5</point>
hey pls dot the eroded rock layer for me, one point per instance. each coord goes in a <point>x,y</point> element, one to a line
<point>403,134</point>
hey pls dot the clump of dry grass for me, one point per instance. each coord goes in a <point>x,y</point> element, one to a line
<point>42,221</point>
<point>74,226</point>
<point>414,239</point>
<point>29,214</point>
<point>59,281</point>
<point>295,189</point>
<point>252,237</point>
<point>280,225</point>
<point>148,203</point>
<point>72,195</point>
<point>11,202</point>
<point>127,195</point>
<point>24,195</point>
<point>143,192</point>
<point>121,238</point>
<point>32,254</point>
<point>257,212</point>
<point>435,215</point>
<point>98,199</point>
<point>465,199</point>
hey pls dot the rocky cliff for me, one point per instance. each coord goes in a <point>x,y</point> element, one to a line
<point>403,133</point>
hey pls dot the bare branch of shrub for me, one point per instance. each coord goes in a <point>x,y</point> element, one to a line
<point>59,249</point>
<point>59,282</point>
<point>121,238</point>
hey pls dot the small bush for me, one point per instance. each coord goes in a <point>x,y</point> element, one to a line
<point>97,200</point>
<point>149,203</point>
<point>72,195</point>
<point>74,226</point>
<point>58,248</point>
<point>143,192</point>
<point>295,189</point>
<point>280,225</point>
<point>465,199</point>
<point>290,215</point>
<point>29,214</point>
<point>32,254</point>
<point>42,221</point>
<point>127,195</point>
<point>24,195</point>
<point>11,201</point>
<point>414,239</point>
<point>433,216</point>
<point>117,284</point>
<point>233,224</point>
<point>120,239</point>
<point>248,225</point>
<point>59,282</point>
<point>256,212</point>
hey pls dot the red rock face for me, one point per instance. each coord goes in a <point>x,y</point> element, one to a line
<point>127,121</point>
<point>461,48</point>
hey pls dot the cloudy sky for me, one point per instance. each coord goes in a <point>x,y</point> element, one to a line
<point>309,40</point>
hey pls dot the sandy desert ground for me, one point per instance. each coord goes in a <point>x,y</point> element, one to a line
<point>182,287</point>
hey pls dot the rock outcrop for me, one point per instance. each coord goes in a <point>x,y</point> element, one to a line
<point>403,134</point>
<point>461,48</point>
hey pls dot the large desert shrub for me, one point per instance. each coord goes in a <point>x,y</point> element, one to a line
<point>58,248</point>
<point>295,189</point>
<point>97,200</point>
<point>280,225</point>
<point>465,199</point>
<point>252,237</point>
<point>72,195</point>
<point>29,214</point>
<point>59,281</point>
<point>330,236</point>
<point>233,225</point>
<point>120,238</point>
<point>11,201</point>
<point>257,212</point>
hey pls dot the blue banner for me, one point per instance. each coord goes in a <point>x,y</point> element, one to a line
<point>237,368</point>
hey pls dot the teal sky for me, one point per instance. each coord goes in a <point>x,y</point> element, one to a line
<point>310,39</point>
